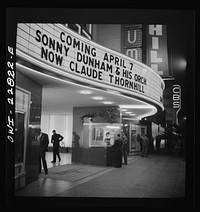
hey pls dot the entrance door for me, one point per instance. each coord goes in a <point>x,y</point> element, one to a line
<point>135,133</point>
<point>19,136</point>
<point>21,127</point>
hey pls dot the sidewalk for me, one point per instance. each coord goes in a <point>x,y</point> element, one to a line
<point>156,176</point>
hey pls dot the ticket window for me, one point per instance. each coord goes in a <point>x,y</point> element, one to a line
<point>100,134</point>
<point>21,123</point>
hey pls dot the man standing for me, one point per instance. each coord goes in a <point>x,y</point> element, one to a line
<point>145,145</point>
<point>158,140</point>
<point>43,141</point>
<point>117,152</point>
<point>125,148</point>
<point>76,150</point>
<point>55,139</point>
<point>75,140</point>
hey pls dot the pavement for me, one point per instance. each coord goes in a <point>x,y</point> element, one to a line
<point>158,179</point>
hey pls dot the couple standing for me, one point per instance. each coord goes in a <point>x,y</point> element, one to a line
<point>120,148</point>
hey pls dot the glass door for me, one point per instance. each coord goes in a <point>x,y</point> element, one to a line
<point>135,133</point>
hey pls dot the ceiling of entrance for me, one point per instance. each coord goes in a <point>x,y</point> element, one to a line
<point>60,96</point>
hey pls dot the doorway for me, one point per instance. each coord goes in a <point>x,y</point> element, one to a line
<point>135,131</point>
<point>21,127</point>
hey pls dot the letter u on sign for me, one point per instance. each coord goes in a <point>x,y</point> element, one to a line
<point>134,36</point>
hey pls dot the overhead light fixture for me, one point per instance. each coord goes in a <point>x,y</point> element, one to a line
<point>98,98</point>
<point>132,114</point>
<point>123,110</point>
<point>128,112</point>
<point>107,103</point>
<point>85,92</point>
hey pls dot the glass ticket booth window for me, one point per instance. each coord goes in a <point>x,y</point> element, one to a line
<point>98,139</point>
<point>100,134</point>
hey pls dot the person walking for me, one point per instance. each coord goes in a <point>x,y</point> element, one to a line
<point>125,148</point>
<point>55,139</point>
<point>43,148</point>
<point>145,145</point>
<point>117,152</point>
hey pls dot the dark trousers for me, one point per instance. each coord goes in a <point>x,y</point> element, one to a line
<point>56,153</point>
<point>43,160</point>
<point>117,157</point>
<point>76,154</point>
<point>125,155</point>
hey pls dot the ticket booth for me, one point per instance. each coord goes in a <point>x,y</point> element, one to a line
<point>97,134</point>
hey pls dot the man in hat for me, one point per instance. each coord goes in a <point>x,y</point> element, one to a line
<point>43,148</point>
<point>55,139</point>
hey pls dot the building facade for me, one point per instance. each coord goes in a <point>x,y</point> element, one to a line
<point>83,79</point>
<point>148,44</point>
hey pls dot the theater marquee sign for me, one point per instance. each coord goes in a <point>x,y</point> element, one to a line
<point>86,61</point>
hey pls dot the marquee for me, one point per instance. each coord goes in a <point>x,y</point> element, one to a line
<point>76,57</point>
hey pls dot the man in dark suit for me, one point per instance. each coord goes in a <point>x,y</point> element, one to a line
<point>43,148</point>
<point>125,148</point>
<point>117,152</point>
<point>145,145</point>
<point>55,139</point>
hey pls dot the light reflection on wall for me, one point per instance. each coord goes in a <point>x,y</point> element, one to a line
<point>180,63</point>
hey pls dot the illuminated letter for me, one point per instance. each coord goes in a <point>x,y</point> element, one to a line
<point>155,43</point>
<point>176,88</point>
<point>154,57</point>
<point>132,53</point>
<point>134,36</point>
<point>156,28</point>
